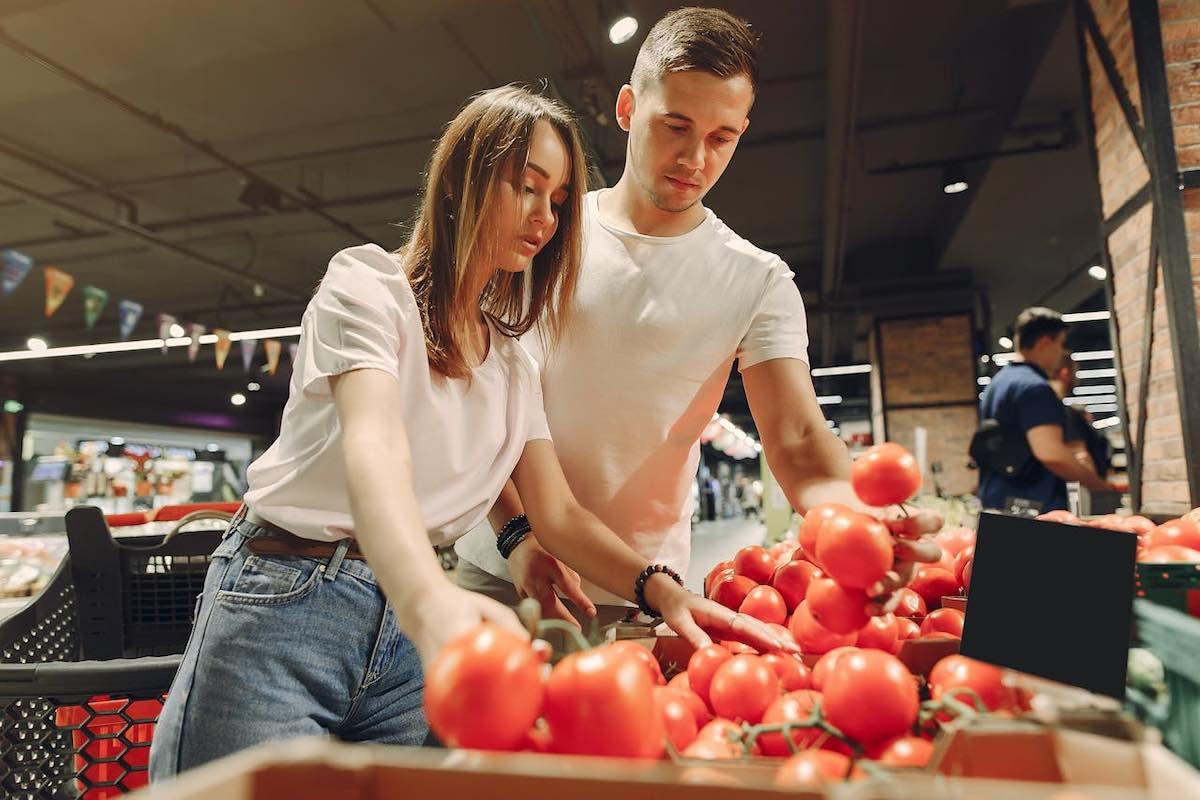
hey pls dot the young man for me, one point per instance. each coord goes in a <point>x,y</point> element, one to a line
<point>668,297</point>
<point>1021,399</point>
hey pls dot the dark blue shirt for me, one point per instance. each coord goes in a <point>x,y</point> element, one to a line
<point>1020,398</point>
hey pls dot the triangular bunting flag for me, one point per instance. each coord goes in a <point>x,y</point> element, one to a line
<point>194,330</point>
<point>94,301</point>
<point>293,348</point>
<point>273,347</point>
<point>165,321</point>
<point>248,346</point>
<point>222,346</point>
<point>16,266</point>
<point>128,314</point>
<point>58,284</point>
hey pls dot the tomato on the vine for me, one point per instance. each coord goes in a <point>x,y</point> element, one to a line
<point>764,604</point>
<point>880,633</point>
<point>792,707</point>
<point>856,550</point>
<point>814,521</point>
<point>701,667</point>
<point>905,751</point>
<point>944,622</point>
<point>839,609</point>
<point>933,583</point>
<point>812,636</point>
<point>742,688</point>
<point>793,674</point>
<point>826,663</point>
<point>484,689</point>
<point>985,680</point>
<point>678,720</point>
<point>792,580</point>
<point>910,604</point>
<point>601,702</point>
<point>643,656</point>
<point>885,475</point>
<point>731,590</point>
<point>871,696</point>
<point>755,563</point>
<point>813,768</point>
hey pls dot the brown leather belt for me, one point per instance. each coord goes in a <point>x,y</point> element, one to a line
<point>279,542</point>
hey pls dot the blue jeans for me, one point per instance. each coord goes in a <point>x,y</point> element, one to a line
<point>284,647</point>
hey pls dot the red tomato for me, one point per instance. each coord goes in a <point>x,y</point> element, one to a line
<point>855,550</point>
<point>718,740</point>
<point>986,680</point>
<point>600,702</point>
<point>697,706</point>
<point>907,629</point>
<point>933,583</point>
<point>791,580</point>
<point>1169,554</point>
<point>966,574</point>
<point>764,604</point>
<point>793,675</point>
<point>537,740</point>
<point>871,696</point>
<point>1180,532</point>
<point>827,663</point>
<point>880,633</point>
<point>955,540</point>
<point>643,656</point>
<point>791,707</point>
<point>484,689</point>
<point>838,609</point>
<point>885,475</point>
<point>911,604</point>
<point>702,665</point>
<point>1140,525</point>
<point>960,562</point>
<point>742,688</point>
<point>943,621</point>
<point>812,636</point>
<point>677,718</point>
<point>812,769</point>
<point>716,572</point>
<point>905,751</point>
<point>680,681</point>
<point>755,563</point>
<point>814,521</point>
<point>1059,515</point>
<point>731,590</point>
<point>782,551</point>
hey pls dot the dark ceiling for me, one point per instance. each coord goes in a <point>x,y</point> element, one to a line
<point>131,128</point>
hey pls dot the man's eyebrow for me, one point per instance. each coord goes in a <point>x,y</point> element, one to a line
<point>685,118</point>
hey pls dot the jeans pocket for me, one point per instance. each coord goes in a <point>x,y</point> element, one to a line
<point>272,580</point>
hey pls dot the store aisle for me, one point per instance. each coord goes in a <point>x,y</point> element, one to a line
<point>718,540</point>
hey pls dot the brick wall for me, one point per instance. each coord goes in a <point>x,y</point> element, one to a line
<point>1122,174</point>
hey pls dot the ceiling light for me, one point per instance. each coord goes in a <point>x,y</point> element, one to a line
<point>1092,355</point>
<point>850,369</point>
<point>1087,316</point>
<point>213,447</point>
<point>117,441</point>
<point>143,344</point>
<point>985,358</point>
<point>1101,407</point>
<point>622,30</point>
<point>1104,388</point>
<point>37,344</point>
<point>954,179</point>
<point>176,330</point>
<point>1090,399</point>
<point>1095,373</point>
<point>253,386</point>
<point>1005,341</point>
<point>829,399</point>
<point>983,380</point>
<point>1107,422</point>
<point>13,406</point>
<point>1098,272</point>
<point>238,399</point>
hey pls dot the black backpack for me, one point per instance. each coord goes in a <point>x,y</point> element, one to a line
<point>1003,451</point>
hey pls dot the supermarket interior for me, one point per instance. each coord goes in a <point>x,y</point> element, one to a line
<point>506,397</point>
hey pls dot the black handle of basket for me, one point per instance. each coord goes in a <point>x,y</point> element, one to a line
<point>79,680</point>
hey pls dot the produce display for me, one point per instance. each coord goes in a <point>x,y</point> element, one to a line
<point>1175,541</point>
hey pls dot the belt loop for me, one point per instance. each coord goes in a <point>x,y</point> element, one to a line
<point>236,521</point>
<point>335,560</point>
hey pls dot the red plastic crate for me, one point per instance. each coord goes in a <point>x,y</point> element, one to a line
<point>111,739</point>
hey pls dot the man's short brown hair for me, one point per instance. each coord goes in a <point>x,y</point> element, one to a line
<point>706,39</point>
<point>1034,323</point>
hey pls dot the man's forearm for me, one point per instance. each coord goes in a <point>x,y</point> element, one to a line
<point>1070,469</point>
<point>507,506</point>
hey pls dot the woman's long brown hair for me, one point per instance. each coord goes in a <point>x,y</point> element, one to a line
<point>486,144</point>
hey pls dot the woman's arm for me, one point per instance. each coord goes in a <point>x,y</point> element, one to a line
<point>429,609</point>
<point>574,535</point>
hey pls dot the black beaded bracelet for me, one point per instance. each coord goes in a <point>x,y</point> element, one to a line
<point>512,534</point>
<point>639,586</point>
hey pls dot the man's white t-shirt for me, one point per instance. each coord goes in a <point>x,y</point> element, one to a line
<point>642,368</point>
<point>465,436</point>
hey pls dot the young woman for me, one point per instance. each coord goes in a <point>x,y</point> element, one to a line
<point>411,404</point>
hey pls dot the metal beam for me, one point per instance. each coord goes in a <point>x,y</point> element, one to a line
<point>844,44</point>
<point>1083,10</point>
<point>1138,455</point>
<point>1171,229</point>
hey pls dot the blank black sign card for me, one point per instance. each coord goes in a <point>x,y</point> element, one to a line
<point>1052,600</point>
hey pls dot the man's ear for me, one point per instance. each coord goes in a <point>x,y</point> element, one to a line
<point>625,105</point>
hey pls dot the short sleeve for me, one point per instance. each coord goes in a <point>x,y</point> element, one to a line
<point>355,320</point>
<point>1039,405</point>
<point>539,428</point>
<point>779,328</point>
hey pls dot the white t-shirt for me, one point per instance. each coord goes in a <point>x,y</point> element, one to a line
<point>642,367</point>
<point>465,438</point>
